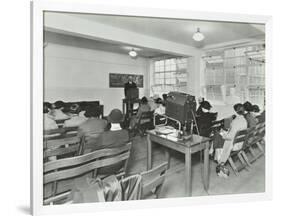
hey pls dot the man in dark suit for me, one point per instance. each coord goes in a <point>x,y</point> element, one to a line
<point>129,85</point>
<point>113,138</point>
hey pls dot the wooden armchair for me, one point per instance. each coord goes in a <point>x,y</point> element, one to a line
<point>71,168</point>
<point>253,149</point>
<point>152,181</point>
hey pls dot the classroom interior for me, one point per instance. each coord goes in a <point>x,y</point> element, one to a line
<point>226,67</point>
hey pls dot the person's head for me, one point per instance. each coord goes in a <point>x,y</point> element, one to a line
<point>158,102</point>
<point>130,79</point>
<point>206,106</point>
<point>59,105</point>
<point>248,106</point>
<point>115,117</point>
<point>74,108</point>
<point>47,106</point>
<point>239,108</point>
<point>92,112</point>
<point>256,109</point>
<point>200,100</point>
<point>144,100</point>
<point>164,96</point>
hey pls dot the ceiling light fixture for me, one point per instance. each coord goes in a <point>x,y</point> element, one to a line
<point>198,36</point>
<point>133,53</point>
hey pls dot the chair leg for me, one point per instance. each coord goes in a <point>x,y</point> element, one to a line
<point>260,147</point>
<point>244,164</point>
<point>246,158</point>
<point>168,158</point>
<point>232,164</point>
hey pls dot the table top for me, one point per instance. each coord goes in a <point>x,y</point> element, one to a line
<point>192,141</point>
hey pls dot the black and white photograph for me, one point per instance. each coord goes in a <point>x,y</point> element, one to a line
<point>151,108</point>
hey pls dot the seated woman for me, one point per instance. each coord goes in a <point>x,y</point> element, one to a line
<point>205,120</point>
<point>57,111</point>
<point>49,122</point>
<point>144,107</point>
<point>250,118</point>
<point>75,119</point>
<point>199,110</point>
<point>223,153</point>
<point>160,109</point>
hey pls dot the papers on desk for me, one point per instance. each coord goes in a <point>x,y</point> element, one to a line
<point>165,130</point>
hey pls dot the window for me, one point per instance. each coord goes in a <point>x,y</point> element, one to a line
<point>237,73</point>
<point>169,75</point>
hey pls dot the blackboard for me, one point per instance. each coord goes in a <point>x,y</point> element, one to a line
<point>118,80</point>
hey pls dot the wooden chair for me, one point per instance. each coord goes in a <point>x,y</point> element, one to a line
<point>70,168</point>
<point>56,148</point>
<point>60,133</point>
<point>145,122</point>
<point>241,136</point>
<point>253,149</point>
<point>152,181</point>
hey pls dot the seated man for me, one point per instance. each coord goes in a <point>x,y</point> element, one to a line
<point>205,120</point>
<point>222,154</point>
<point>250,118</point>
<point>57,111</point>
<point>113,138</point>
<point>49,122</point>
<point>75,119</point>
<point>144,107</point>
<point>92,127</point>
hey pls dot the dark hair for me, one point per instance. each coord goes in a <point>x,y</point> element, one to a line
<point>92,111</point>
<point>144,100</point>
<point>158,101</point>
<point>239,108</point>
<point>74,108</point>
<point>59,104</point>
<point>256,108</point>
<point>164,96</point>
<point>206,105</point>
<point>248,106</point>
<point>47,105</point>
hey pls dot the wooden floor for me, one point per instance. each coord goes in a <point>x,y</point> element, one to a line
<point>252,181</point>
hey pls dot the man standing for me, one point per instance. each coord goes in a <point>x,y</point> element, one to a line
<point>129,85</point>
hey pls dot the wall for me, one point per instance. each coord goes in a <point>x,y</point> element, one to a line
<point>72,74</point>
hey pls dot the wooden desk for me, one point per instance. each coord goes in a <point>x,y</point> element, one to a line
<point>195,144</point>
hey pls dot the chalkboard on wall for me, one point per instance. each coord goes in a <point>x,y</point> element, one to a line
<point>118,80</point>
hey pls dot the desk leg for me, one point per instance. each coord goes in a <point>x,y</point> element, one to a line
<point>206,167</point>
<point>123,108</point>
<point>149,153</point>
<point>168,157</point>
<point>188,172</point>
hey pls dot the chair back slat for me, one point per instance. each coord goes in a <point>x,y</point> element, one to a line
<point>240,136</point>
<point>56,143</point>
<point>82,169</point>
<point>154,179</point>
<point>61,151</point>
<point>60,133</point>
<point>68,162</point>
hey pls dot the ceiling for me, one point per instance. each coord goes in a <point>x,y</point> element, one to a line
<point>175,30</point>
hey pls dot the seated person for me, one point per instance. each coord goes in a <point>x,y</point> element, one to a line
<point>199,110</point>
<point>250,118</point>
<point>261,117</point>
<point>57,111</point>
<point>160,109</point>
<point>113,138</point>
<point>204,121</point>
<point>165,97</point>
<point>144,107</point>
<point>222,154</point>
<point>49,122</point>
<point>151,102</point>
<point>92,127</point>
<point>75,119</point>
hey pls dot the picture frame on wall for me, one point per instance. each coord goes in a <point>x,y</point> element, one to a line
<point>81,55</point>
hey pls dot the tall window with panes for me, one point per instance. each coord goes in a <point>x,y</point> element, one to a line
<point>238,71</point>
<point>169,75</point>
